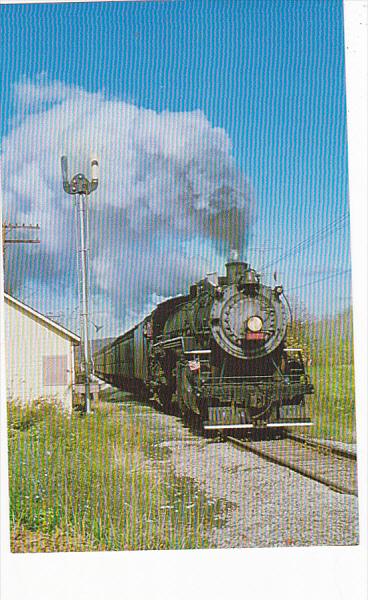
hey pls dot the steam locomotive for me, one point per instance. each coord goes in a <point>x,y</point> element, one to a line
<point>217,355</point>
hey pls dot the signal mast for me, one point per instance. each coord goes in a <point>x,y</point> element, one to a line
<point>80,187</point>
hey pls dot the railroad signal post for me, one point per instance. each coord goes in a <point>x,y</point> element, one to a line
<point>80,187</point>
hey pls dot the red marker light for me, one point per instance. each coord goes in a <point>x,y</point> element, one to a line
<point>255,335</point>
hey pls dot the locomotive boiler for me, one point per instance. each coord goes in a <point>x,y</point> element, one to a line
<point>217,355</point>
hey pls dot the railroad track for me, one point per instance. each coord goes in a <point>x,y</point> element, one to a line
<point>333,467</point>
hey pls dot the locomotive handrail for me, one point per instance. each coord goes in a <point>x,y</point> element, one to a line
<point>173,343</point>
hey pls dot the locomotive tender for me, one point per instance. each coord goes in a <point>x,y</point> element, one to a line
<point>217,355</point>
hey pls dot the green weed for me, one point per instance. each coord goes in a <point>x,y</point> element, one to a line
<point>332,405</point>
<point>328,345</point>
<point>98,482</point>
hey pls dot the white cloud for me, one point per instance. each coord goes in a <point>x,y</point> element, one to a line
<point>168,182</point>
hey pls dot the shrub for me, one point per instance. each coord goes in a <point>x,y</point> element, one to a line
<point>23,415</point>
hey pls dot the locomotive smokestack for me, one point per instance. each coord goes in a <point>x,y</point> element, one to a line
<point>235,270</point>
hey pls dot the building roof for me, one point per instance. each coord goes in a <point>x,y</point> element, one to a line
<point>48,322</point>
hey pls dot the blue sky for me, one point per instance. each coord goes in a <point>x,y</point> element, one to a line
<point>267,81</point>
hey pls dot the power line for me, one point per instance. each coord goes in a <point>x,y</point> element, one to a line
<point>331,276</point>
<point>16,227</point>
<point>307,242</point>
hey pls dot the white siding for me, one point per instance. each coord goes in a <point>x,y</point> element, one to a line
<point>30,344</point>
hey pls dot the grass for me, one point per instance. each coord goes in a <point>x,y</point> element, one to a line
<point>332,406</point>
<point>328,343</point>
<point>104,482</point>
<point>99,483</point>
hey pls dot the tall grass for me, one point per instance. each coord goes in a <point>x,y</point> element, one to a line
<point>98,482</point>
<point>328,345</point>
<point>332,406</point>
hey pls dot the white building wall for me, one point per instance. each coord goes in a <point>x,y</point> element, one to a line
<point>32,349</point>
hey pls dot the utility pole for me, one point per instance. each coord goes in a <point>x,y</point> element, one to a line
<point>16,227</point>
<point>80,187</point>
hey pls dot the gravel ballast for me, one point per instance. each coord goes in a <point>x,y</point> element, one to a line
<point>270,505</point>
<point>266,505</point>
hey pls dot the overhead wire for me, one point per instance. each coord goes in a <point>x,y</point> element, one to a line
<point>330,276</point>
<point>318,235</point>
<point>308,242</point>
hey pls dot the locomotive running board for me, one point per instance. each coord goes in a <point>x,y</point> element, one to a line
<point>250,426</point>
<point>306,424</point>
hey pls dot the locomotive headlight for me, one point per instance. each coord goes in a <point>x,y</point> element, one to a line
<point>255,324</point>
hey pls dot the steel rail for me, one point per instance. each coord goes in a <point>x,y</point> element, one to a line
<point>300,463</point>
<point>343,452</point>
